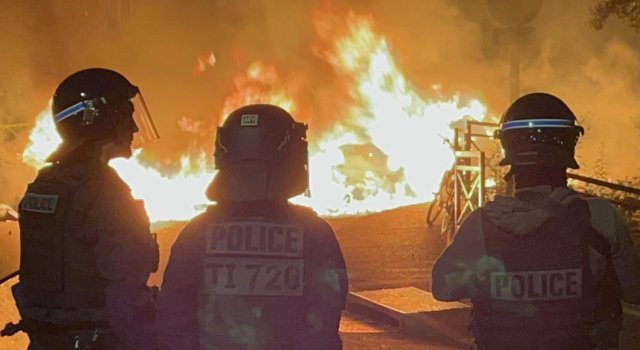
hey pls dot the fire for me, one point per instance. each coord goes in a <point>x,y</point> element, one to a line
<point>384,153</point>
<point>177,197</point>
<point>262,84</point>
<point>208,59</point>
<point>43,139</point>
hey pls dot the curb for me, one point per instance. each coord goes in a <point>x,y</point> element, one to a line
<point>445,319</point>
<point>448,322</point>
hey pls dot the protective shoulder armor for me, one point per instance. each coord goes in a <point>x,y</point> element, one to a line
<point>305,212</point>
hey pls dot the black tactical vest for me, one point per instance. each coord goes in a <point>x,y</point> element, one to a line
<point>57,264</point>
<point>545,297</point>
<point>256,275</point>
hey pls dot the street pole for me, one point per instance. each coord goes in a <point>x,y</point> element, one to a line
<point>514,93</point>
<point>514,15</point>
<point>514,77</point>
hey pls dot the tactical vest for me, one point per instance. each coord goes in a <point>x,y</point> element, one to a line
<point>57,264</point>
<point>255,280</point>
<point>546,296</point>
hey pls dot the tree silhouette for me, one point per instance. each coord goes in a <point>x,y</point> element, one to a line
<point>626,10</point>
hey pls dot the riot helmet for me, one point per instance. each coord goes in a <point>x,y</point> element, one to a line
<point>261,154</point>
<point>100,105</point>
<point>539,129</point>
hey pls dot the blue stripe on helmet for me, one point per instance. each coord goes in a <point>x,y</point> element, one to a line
<point>78,107</point>
<point>538,123</point>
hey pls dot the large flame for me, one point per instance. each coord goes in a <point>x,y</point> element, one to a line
<point>261,84</point>
<point>385,152</point>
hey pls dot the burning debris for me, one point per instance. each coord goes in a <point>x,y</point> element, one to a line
<point>7,213</point>
<point>208,59</point>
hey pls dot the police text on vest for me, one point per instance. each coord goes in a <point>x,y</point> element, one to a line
<point>536,285</point>
<point>39,203</point>
<point>255,239</point>
<point>254,258</point>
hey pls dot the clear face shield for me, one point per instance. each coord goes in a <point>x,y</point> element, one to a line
<point>146,129</point>
<point>131,119</point>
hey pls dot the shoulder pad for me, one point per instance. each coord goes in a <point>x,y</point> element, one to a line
<point>46,170</point>
<point>112,179</point>
<point>212,209</point>
<point>307,214</point>
<point>302,210</point>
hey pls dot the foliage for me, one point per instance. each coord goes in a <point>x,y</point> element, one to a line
<point>629,201</point>
<point>626,10</point>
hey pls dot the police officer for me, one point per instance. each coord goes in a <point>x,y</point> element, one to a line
<point>255,272</point>
<point>544,269</point>
<point>86,248</point>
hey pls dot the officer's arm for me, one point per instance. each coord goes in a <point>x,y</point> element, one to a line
<point>125,256</point>
<point>327,291</point>
<point>177,301</point>
<point>454,274</point>
<point>624,256</point>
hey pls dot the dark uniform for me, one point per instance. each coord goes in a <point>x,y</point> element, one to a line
<point>544,269</point>
<point>255,272</point>
<point>86,248</point>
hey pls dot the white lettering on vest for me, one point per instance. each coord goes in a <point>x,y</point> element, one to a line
<point>39,203</point>
<point>253,239</point>
<point>536,285</point>
<point>254,276</point>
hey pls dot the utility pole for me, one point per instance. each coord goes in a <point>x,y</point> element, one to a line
<point>119,14</point>
<point>514,69</point>
<point>514,15</point>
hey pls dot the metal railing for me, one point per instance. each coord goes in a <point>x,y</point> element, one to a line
<point>469,167</point>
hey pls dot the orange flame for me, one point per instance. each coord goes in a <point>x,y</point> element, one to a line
<point>262,84</point>
<point>384,152</point>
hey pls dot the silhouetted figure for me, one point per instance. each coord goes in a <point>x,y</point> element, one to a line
<point>255,272</point>
<point>86,248</point>
<point>544,269</point>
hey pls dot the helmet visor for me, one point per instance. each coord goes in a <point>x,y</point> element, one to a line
<point>146,129</point>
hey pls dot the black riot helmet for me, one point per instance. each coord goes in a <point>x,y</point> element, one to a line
<point>539,129</point>
<point>100,105</point>
<point>261,154</point>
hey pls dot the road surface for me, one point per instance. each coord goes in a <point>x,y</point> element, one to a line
<point>388,249</point>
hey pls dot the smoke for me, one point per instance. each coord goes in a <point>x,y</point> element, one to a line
<point>595,72</point>
<point>444,42</point>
